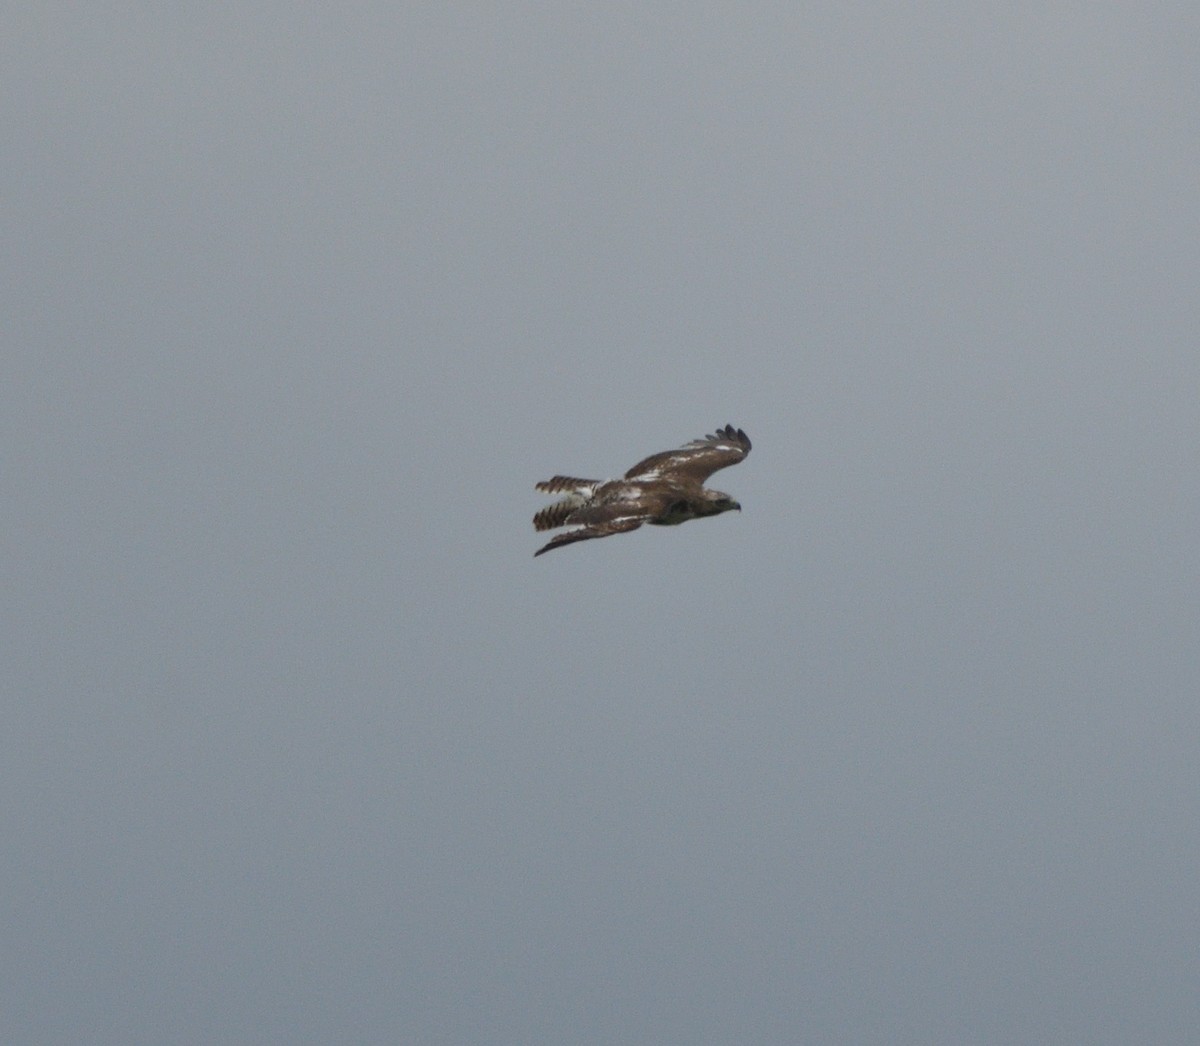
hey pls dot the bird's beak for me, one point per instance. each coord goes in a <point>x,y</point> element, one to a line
<point>737,505</point>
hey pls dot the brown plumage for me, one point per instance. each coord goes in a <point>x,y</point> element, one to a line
<point>664,489</point>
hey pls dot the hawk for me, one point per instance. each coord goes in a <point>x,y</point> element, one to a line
<point>665,489</point>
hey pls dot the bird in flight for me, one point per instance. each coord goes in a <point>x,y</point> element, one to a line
<point>665,489</point>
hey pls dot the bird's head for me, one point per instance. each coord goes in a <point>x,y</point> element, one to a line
<point>719,502</point>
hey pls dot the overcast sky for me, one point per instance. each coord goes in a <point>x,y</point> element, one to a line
<point>301,745</point>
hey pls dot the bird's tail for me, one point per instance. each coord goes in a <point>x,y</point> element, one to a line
<point>557,514</point>
<point>558,484</point>
<point>578,493</point>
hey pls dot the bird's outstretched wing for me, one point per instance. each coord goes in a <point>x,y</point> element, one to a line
<point>599,521</point>
<point>694,462</point>
<point>597,530</point>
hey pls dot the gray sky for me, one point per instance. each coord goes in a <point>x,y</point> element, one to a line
<point>300,743</point>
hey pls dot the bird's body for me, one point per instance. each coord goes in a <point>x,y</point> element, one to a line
<point>665,489</point>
